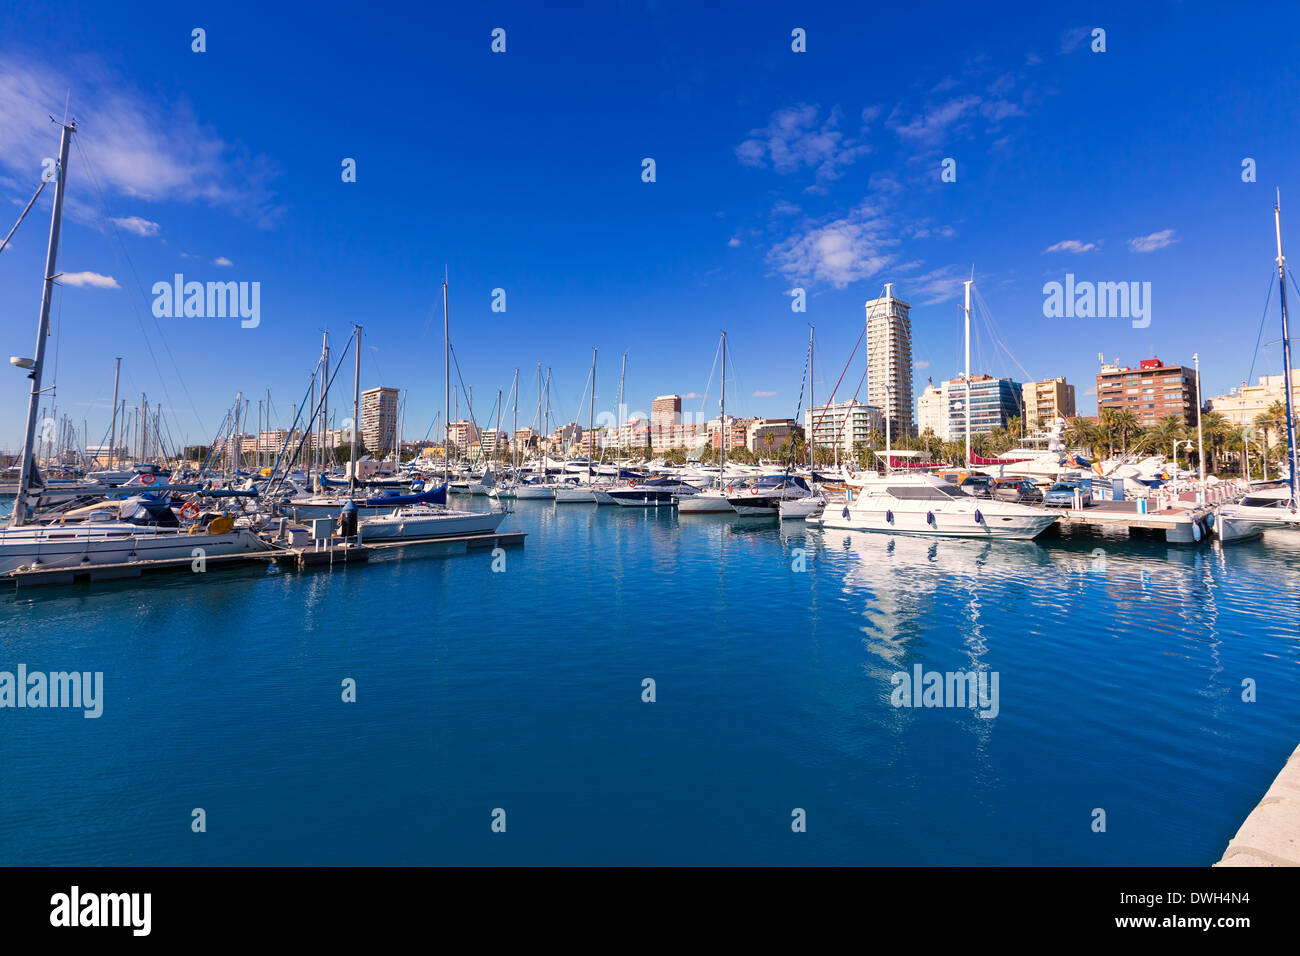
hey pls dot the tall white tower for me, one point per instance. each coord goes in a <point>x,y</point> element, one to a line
<point>889,360</point>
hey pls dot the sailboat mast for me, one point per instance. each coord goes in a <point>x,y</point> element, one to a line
<point>22,509</point>
<point>1286,357</point>
<point>966,309</point>
<point>356,414</point>
<point>889,391</point>
<point>112,434</point>
<point>514,430</point>
<point>722,435</point>
<point>619,424</point>
<point>591,416</point>
<point>812,404</point>
<point>446,335</point>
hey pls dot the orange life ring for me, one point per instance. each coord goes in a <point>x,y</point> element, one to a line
<point>190,510</point>
<point>146,479</point>
<point>632,483</point>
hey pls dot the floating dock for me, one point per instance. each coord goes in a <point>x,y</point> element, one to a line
<point>1187,525</point>
<point>330,554</point>
<point>1270,836</point>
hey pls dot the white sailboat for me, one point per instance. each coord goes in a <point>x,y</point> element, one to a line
<point>150,529</point>
<point>426,520</point>
<point>1270,510</point>
<point>713,500</point>
<point>581,492</point>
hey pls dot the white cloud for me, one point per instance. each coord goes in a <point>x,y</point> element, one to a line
<point>794,138</point>
<point>937,285</point>
<point>92,279</point>
<point>764,394</point>
<point>137,225</point>
<point>733,242</point>
<point>137,145</point>
<point>839,251</point>
<point>222,261</point>
<point>1157,240</point>
<point>922,364</point>
<point>692,395</point>
<point>1074,38</point>
<point>1071,245</point>
<point>934,124</point>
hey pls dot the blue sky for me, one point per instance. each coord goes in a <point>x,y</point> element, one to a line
<point>522,171</point>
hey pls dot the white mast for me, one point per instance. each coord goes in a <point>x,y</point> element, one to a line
<point>722,436</point>
<point>22,508</point>
<point>619,415</point>
<point>1286,359</point>
<point>446,336</point>
<point>889,375</point>
<point>591,416</point>
<point>112,439</point>
<point>356,413</point>
<point>966,309</point>
<point>812,404</point>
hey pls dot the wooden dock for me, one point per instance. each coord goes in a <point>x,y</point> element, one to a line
<point>337,553</point>
<point>1176,525</point>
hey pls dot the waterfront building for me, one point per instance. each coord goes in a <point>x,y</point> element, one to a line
<point>1246,403</point>
<point>766,435</point>
<point>463,434</point>
<point>1046,401</point>
<point>379,419</point>
<point>932,411</point>
<point>843,424</point>
<point>889,360</point>
<point>993,403</point>
<point>666,410</point>
<point>1151,391</point>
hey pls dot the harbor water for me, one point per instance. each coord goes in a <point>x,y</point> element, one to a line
<point>1153,683</point>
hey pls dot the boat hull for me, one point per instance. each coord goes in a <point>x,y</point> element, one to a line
<point>962,524</point>
<point>64,547</point>
<point>448,525</point>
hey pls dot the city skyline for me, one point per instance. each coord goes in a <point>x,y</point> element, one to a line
<point>797,174</point>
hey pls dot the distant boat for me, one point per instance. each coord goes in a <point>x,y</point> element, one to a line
<point>763,498</point>
<point>424,521</point>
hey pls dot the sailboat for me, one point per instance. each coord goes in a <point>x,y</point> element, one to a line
<point>1270,510</point>
<point>714,500</point>
<point>576,491</point>
<point>144,528</point>
<point>428,519</point>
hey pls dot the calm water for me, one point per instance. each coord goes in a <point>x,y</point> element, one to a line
<point>1120,676</point>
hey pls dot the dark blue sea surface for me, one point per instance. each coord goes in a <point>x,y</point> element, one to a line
<point>1120,668</point>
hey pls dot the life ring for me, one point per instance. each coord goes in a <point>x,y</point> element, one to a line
<point>146,479</point>
<point>190,510</point>
<point>632,483</point>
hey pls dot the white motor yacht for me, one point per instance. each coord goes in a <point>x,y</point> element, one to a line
<point>926,504</point>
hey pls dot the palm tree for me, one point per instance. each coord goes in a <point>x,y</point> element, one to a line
<point>1216,430</point>
<point>1168,431</point>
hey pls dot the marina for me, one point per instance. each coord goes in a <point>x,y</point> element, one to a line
<point>618,446</point>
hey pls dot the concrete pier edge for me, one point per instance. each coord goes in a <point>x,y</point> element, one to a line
<point>1270,835</point>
